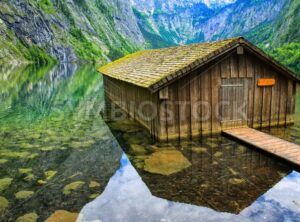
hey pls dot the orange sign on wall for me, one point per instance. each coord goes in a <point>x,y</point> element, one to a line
<point>266,82</point>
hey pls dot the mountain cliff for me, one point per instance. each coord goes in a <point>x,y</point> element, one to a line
<point>195,20</point>
<point>67,30</point>
<point>270,24</point>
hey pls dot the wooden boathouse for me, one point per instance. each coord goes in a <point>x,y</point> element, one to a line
<point>199,89</point>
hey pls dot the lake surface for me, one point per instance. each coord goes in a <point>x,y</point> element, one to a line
<point>58,151</point>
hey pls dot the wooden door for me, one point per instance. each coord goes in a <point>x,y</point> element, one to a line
<point>233,103</point>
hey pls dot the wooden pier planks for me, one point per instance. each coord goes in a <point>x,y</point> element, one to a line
<point>273,145</point>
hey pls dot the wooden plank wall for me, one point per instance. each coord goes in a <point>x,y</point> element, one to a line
<point>272,105</point>
<point>194,99</point>
<point>193,102</point>
<point>136,101</point>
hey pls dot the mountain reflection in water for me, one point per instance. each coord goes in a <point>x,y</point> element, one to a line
<point>56,153</point>
<point>127,198</point>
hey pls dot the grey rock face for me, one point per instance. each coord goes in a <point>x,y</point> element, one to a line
<point>102,23</point>
<point>32,27</point>
<point>126,22</point>
<point>197,20</point>
<point>240,18</point>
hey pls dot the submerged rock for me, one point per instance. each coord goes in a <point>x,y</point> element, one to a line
<point>136,138</point>
<point>136,149</point>
<point>3,161</point>
<point>12,154</point>
<point>213,139</point>
<point>27,146</point>
<point>34,136</point>
<point>236,181</point>
<point>50,174</point>
<point>94,195</point>
<point>205,185</point>
<point>30,217</point>
<point>233,172</point>
<point>4,183</point>
<point>125,126</point>
<point>82,144</point>
<point>212,145</point>
<point>62,216</point>
<point>72,186</point>
<point>32,156</point>
<point>186,143</point>
<point>24,194</point>
<point>94,184</point>
<point>199,150</point>
<point>241,149</point>
<point>42,182</point>
<point>166,162</point>
<point>3,204</point>
<point>281,174</point>
<point>235,205</point>
<point>138,163</point>
<point>218,154</point>
<point>48,149</point>
<point>215,163</point>
<point>29,177</point>
<point>25,170</point>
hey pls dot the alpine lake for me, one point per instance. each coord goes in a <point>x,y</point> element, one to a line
<point>62,159</point>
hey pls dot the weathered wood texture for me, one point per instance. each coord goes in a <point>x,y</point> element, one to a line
<point>227,95</point>
<point>273,145</point>
<point>138,102</point>
<point>224,94</point>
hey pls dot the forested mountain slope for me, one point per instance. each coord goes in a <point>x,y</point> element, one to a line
<point>104,30</point>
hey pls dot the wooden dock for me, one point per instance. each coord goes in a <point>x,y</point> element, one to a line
<point>271,144</point>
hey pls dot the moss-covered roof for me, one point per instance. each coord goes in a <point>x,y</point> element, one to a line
<point>153,68</point>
